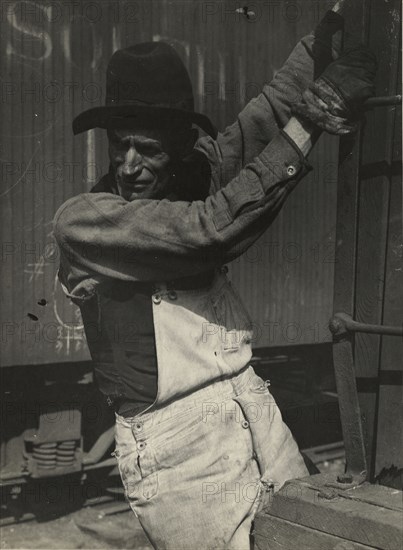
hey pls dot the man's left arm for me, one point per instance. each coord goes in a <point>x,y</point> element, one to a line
<point>264,115</point>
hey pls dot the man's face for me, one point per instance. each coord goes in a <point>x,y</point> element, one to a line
<point>141,165</point>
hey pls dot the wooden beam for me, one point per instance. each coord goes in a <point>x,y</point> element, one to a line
<point>273,533</point>
<point>369,514</point>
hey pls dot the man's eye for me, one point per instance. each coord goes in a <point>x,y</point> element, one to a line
<point>150,150</point>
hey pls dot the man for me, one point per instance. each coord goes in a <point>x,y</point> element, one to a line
<point>199,439</point>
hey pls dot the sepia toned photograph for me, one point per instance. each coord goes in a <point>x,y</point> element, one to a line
<point>201,275</point>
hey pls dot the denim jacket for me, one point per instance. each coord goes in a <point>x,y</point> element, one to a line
<point>201,335</point>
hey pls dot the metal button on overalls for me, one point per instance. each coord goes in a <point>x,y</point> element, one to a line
<point>157,298</point>
<point>245,424</point>
<point>141,445</point>
<point>291,170</point>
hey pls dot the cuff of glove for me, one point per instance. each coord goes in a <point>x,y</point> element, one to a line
<point>323,106</point>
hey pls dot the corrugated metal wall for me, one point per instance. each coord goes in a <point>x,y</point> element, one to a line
<point>53,60</point>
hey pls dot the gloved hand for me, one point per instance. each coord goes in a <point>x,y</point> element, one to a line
<point>334,101</point>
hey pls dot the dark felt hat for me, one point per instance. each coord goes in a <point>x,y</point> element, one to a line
<point>146,80</point>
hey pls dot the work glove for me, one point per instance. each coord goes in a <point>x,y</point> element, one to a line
<point>306,62</point>
<point>335,101</point>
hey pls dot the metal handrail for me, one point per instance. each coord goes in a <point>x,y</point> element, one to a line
<point>383,101</point>
<point>342,323</point>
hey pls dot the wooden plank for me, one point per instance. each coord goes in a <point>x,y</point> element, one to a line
<point>373,216</point>
<point>384,497</point>
<point>356,16</point>
<point>350,414</point>
<point>271,533</point>
<point>389,436</point>
<point>310,503</point>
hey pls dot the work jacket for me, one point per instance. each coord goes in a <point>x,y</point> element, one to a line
<point>201,334</point>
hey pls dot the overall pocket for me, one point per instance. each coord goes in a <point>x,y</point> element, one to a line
<point>276,450</point>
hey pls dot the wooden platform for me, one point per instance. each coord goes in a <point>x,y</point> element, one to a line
<point>317,513</point>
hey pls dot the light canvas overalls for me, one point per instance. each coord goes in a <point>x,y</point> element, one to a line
<point>195,466</point>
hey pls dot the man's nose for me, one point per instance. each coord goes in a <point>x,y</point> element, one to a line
<point>132,163</point>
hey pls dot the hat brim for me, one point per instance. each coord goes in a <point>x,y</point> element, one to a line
<point>101,117</point>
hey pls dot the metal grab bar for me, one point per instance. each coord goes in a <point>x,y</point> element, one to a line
<point>383,101</point>
<point>342,323</point>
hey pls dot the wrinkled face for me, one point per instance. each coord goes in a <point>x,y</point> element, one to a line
<point>140,161</point>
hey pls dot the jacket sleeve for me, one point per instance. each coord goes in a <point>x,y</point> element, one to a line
<point>262,117</point>
<point>151,240</point>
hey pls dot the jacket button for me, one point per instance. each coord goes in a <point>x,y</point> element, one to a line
<point>291,170</point>
<point>245,424</point>
<point>157,298</point>
<point>141,445</point>
<point>172,295</point>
